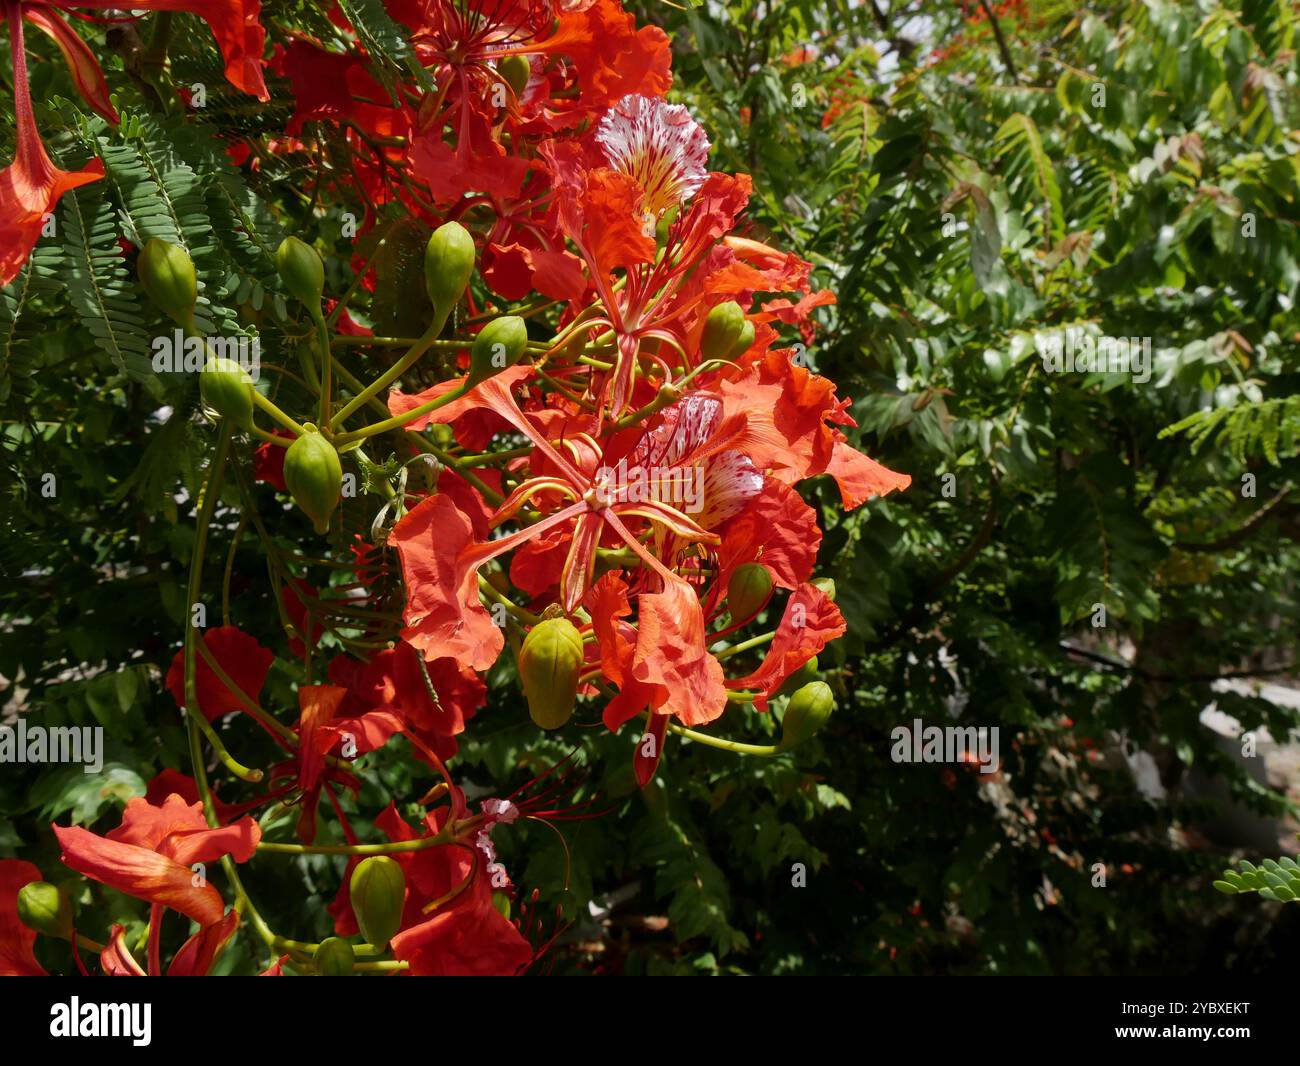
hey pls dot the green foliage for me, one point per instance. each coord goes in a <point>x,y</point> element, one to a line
<point>1277,881</point>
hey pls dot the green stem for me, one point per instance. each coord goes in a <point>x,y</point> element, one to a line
<point>753,642</point>
<point>230,569</point>
<point>398,421</point>
<point>486,587</point>
<point>393,847</point>
<point>393,372</point>
<point>326,384</point>
<point>425,445</point>
<point>767,750</point>
<point>227,760</point>
<point>275,412</point>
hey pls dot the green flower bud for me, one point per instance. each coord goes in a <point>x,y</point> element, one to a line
<point>228,390</point>
<point>334,957</point>
<point>827,586</point>
<point>550,663</point>
<point>301,270</point>
<point>722,330</point>
<point>499,344</point>
<point>167,274</point>
<point>748,590</point>
<point>314,475</point>
<point>808,710</point>
<point>448,264</point>
<point>378,893</point>
<point>45,908</point>
<point>501,903</point>
<point>515,70</point>
<point>744,341</point>
<point>801,677</point>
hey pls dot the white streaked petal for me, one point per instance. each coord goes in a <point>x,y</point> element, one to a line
<point>659,145</point>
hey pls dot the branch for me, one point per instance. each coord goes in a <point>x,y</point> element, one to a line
<point>1229,540</point>
<point>1147,675</point>
<point>1002,41</point>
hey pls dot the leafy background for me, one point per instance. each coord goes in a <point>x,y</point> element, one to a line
<point>959,185</point>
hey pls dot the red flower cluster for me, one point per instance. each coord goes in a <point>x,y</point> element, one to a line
<point>642,494</point>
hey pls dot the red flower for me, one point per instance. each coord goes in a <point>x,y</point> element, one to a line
<point>150,854</point>
<point>811,621</point>
<point>294,594</point>
<point>786,408</point>
<point>464,936</point>
<point>239,655</point>
<point>390,693</point>
<point>234,23</point>
<point>194,958</point>
<point>318,705</point>
<point>32,185</point>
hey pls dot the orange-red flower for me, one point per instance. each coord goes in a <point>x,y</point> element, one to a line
<point>32,185</point>
<point>150,855</point>
<point>464,935</point>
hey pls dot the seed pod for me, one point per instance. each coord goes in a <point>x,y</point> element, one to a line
<point>516,71</point>
<point>228,390</point>
<point>334,957</point>
<point>448,264</point>
<point>722,330</point>
<point>167,274</point>
<point>45,908</point>
<point>378,893</point>
<point>301,270</point>
<point>748,590</point>
<point>805,674</point>
<point>807,712</point>
<point>314,475</point>
<point>550,663</point>
<point>744,341</point>
<point>499,344</point>
<point>827,586</point>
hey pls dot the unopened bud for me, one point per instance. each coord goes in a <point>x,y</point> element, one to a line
<point>550,663</point>
<point>167,274</point>
<point>448,265</point>
<point>378,894</point>
<point>499,344</point>
<point>722,330</point>
<point>516,71</point>
<point>45,908</point>
<point>301,270</point>
<point>334,957</point>
<point>808,710</point>
<point>748,590</point>
<point>228,390</point>
<point>314,476</point>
